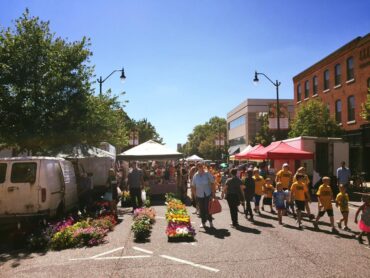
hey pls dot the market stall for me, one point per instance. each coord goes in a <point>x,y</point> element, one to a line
<point>159,163</point>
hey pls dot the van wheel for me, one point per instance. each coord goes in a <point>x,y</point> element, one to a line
<point>60,211</point>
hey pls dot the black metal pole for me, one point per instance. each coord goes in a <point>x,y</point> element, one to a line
<point>278,109</point>
<point>100,86</point>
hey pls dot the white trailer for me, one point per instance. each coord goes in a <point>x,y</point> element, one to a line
<point>328,153</point>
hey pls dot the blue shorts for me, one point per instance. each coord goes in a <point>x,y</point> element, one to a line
<point>282,206</point>
<point>257,199</point>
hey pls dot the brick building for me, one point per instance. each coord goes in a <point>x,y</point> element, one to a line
<point>341,80</point>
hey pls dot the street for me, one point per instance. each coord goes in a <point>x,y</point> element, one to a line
<point>259,249</point>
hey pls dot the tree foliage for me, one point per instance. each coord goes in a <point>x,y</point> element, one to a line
<point>46,99</point>
<point>202,141</point>
<point>265,135</point>
<point>365,111</point>
<point>147,131</point>
<point>313,119</point>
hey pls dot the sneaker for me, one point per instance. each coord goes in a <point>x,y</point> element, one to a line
<point>211,225</point>
<point>311,216</point>
<point>202,225</point>
<point>360,240</point>
<point>346,229</point>
<point>315,225</point>
<point>339,224</point>
<point>334,231</point>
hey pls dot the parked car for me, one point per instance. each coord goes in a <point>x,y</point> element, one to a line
<point>36,187</point>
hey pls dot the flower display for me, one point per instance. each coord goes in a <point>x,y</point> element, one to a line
<point>178,220</point>
<point>144,219</point>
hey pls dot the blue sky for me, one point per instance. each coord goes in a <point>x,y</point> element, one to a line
<point>187,61</point>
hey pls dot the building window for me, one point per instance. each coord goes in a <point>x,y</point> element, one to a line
<point>326,80</point>
<point>338,111</point>
<point>314,83</point>
<point>337,74</point>
<point>350,71</point>
<point>351,108</point>
<point>299,92</point>
<point>237,122</point>
<point>306,89</point>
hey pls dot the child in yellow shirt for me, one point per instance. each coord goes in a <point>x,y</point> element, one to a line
<point>299,194</point>
<point>325,196</point>
<point>268,190</point>
<point>342,202</point>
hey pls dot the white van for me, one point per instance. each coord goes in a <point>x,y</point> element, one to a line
<point>36,186</point>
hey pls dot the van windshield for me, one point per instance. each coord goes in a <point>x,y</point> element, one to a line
<point>24,172</point>
<point>2,172</point>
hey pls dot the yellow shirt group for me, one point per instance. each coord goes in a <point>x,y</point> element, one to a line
<point>259,182</point>
<point>284,177</point>
<point>299,191</point>
<point>306,180</point>
<point>325,195</point>
<point>342,201</point>
<point>268,190</point>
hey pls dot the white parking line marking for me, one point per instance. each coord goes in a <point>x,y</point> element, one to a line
<point>123,257</point>
<point>108,252</point>
<point>190,263</point>
<point>142,250</point>
<point>112,258</point>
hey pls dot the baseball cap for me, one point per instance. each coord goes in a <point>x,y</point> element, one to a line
<point>285,165</point>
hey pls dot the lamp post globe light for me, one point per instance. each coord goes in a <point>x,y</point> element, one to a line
<point>276,84</point>
<point>101,80</point>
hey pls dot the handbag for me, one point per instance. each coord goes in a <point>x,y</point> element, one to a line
<point>214,206</point>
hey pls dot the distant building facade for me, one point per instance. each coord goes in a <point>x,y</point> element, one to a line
<point>342,81</point>
<point>243,124</point>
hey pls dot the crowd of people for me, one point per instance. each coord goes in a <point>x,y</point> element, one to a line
<point>284,194</point>
<point>288,193</point>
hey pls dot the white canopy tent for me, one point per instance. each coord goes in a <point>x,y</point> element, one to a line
<point>149,150</point>
<point>194,158</point>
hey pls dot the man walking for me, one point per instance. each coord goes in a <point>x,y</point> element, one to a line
<point>343,175</point>
<point>135,183</point>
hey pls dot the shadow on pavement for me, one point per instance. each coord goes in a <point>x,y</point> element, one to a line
<point>262,224</point>
<point>217,233</point>
<point>268,216</point>
<point>292,227</point>
<point>245,229</point>
<point>339,234</point>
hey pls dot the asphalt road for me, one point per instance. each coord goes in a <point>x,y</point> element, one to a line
<point>260,249</point>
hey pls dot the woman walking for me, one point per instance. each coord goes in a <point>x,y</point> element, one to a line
<point>233,190</point>
<point>203,188</point>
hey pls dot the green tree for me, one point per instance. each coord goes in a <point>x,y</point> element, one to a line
<point>365,111</point>
<point>202,141</point>
<point>265,135</point>
<point>147,131</point>
<point>313,119</point>
<point>46,99</point>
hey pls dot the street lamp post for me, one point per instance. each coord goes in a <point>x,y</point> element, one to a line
<point>276,84</point>
<point>101,80</point>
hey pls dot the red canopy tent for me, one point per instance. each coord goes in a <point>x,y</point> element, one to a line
<point>243,155</point>
<point>279,151</point>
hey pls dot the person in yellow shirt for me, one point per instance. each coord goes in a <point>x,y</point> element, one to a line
<point>325,196</point>
<point>299,194</point>
<point>268,190</point>
<point>342,200</point>
<point>259,181</point>
<point>285,177</point>
<point>306,181</point>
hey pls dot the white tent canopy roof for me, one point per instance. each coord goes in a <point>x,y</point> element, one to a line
<point>150,150</point>
<point>194,157</point>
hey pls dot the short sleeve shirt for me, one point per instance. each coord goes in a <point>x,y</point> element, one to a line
<point>259,182</point>
<point>201,182</point>
<point>342,200</point>
<point>298,191</point>
<point>268,189</point>
<point>233,186</point>
<point>134,178</point>
<point>284,177</point>
<point>325,194</point>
